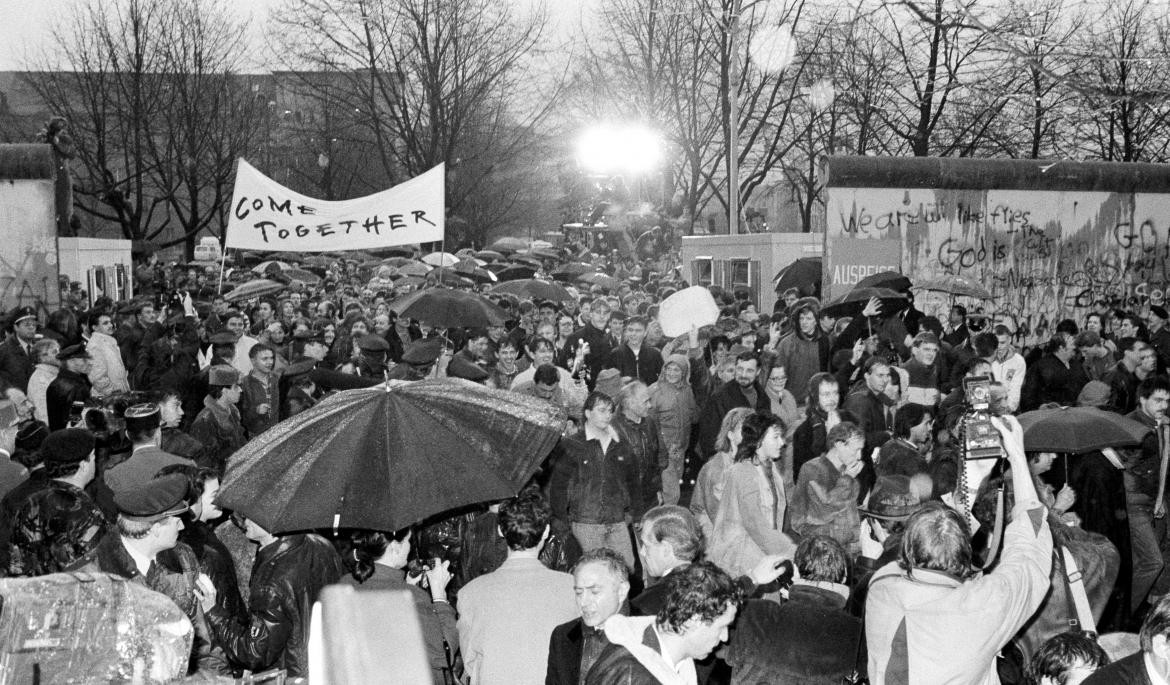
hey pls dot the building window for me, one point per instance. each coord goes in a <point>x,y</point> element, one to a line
<point>703,271</point>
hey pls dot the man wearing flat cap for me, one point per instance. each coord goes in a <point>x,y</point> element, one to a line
<point>371,360</point>
<point>1159,335</point>
<point>417,360</point>
<point>218,425</point>
<point>59,527</point>
<point>16,354</point>
<point>144,430</point>
<point>144,547</point>
<point>70,387</point>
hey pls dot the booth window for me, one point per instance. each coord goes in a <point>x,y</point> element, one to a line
<point>744,274</point>
<point>703,271</point>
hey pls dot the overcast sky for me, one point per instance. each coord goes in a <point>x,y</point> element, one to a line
<point>27,24</point>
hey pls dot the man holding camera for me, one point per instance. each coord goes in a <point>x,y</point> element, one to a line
<point>918,606</point>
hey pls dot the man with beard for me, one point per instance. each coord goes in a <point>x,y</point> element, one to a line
<point>744,390</point>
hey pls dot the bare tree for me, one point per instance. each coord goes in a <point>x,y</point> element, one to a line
<point>424,83</point>
<point>1125,83</point>
<point>157,111</point>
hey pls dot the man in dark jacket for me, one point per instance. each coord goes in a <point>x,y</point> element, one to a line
<point>592,479</point>
<point>1054,378</point>
<point>602,583</point>
<point>16,354</point>
<point>69,387</point>
<point>1145,495</point>
<point>633,358</point>
<point>701,604</point>
<point>808,638</point>
<point>218,425</point>
<point>871,405</point>
<point>742,391</point>
<point>288,575</point>
<point>1147,666</point>
<point>594,334</point>
<point>639,431</point>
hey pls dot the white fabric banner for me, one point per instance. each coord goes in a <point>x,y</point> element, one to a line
<point>267,216</point>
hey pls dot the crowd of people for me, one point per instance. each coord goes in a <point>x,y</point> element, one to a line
<point>780,497</point>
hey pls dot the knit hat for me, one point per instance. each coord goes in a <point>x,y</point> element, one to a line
<point>67,446</point>
<point>1094,394</point>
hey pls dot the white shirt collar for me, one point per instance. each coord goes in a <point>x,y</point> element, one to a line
<point>142,562</point>
<point>609,433</point>
<point>1155,679</point>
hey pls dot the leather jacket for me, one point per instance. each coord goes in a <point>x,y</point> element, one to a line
<point>286,579</point>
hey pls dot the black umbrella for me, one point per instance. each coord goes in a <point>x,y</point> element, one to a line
<point>804,274</point>
<point>257,288</point>
<point>1079,429</point>
<point>852,302</point>
<point>570,271</point>
<point>885,279</point>
<point>535,289</point>
<point>446,308</point>
<point>509,245</point>
<point>389,456</point>
<point>512,272</point>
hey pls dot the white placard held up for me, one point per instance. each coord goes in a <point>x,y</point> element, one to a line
<point>691,306</point>
<point>267,216</point>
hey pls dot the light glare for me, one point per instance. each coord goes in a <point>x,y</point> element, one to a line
<point>630,149</point>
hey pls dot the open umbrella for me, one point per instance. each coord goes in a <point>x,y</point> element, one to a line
<point>413,269</point>
<point>288,256</point>
<point>804,274</point>
<point>885,279</point>
<point>535,289</point>
<point>270,266</point>
<point>508,245</point>
<point>441,259</point>
<point>446,308</point>
<point>852,302</point>
<point>489,255</point>
<point>399,251</point>
<point>389,456</point>
<point>543,253</point>
<point>475,271</point>
<point>570,271</point>
<point>604,280</point>
<point>956,285</point>
<point>256,288</point>
<point>450,277</point>
<point>317,260</point>
<point>512,272</point>
<point>302,276</point>
<point>527,259</point>
<point>1079,429</point>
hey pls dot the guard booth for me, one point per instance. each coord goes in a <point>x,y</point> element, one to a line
<point>747,261</point>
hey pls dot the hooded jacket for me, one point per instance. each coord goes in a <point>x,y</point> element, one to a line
<point>674,404</point>
<point>803,356</point>
<point>634,656</point>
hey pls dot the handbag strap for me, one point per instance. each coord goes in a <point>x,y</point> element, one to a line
<point>1082,618</point>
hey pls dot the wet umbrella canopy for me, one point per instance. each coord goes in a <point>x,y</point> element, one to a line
<point>389,456</point>
<point>447,308</point>
<point>1079,429</point>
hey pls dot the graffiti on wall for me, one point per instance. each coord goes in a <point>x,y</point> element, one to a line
<point>1044,255</point>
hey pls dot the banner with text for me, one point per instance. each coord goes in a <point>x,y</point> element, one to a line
<point>267,216</point>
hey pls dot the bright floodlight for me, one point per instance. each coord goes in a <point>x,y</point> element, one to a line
<point>615,149</point>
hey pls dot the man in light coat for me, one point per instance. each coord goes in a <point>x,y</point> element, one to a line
<point>106,372</point>
<point>919,607</point>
